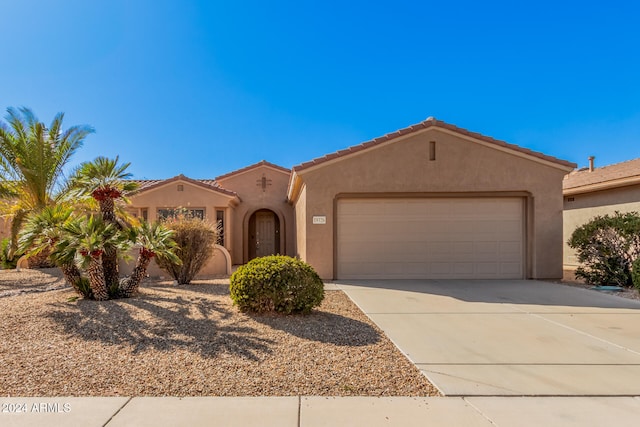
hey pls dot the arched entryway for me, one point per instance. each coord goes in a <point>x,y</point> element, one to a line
<point>264,234</point>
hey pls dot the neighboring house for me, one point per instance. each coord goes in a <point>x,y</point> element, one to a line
<point>592,191</point>
<point>428,201</point>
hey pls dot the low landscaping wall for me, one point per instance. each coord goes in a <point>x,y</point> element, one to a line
<point>219,265</point>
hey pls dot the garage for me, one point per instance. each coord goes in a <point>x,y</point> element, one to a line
<point>430,238</point>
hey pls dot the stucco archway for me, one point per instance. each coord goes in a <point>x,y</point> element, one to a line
<point>263,233</point>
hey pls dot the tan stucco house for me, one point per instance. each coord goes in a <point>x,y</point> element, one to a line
<point>428,201</point>
<point>592,191</point>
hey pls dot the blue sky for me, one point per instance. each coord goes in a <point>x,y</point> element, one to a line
<point>206,87</point>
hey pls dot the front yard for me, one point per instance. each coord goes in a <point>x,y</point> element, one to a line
<point>191,341</point>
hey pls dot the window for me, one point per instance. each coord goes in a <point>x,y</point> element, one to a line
<point>432,150</point>
<point>220,221</point>
<point>145,214</point>
<point>180,187</point>
<point>173,212</point>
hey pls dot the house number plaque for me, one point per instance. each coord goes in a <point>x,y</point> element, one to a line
<point>319,219</point>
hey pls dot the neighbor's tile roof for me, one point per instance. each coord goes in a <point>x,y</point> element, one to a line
<point>253,166</point>
<point>430,122</point>
<point>147,184</point>
<point>619,172</point>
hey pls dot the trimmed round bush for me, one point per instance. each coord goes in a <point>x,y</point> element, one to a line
<point>276,283</point>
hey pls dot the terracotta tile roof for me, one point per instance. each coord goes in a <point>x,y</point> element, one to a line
<point>211,184</point>
<point>617,174</point>
<point>144,183</point>
<point>253,166</point>
<point>430,122</point>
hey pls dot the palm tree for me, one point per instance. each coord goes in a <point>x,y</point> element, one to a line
<point>106,181</point>
<point>32,159</point>
<point>44,230</point>
<point>154,240</point>
<point>87,238</point>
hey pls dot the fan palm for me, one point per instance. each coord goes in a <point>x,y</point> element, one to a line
<point>87,238</point>
<point>32,159</point>
<point>154,240</point>
<point>43,231</point>
<point>107,182</point>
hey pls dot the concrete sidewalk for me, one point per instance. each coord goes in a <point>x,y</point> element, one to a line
<point>320,411</point>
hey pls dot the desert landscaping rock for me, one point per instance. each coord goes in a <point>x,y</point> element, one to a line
<point>191,341</point>
<point>15,282</point>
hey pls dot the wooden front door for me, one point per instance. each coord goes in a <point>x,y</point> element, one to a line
<point>264,234</point>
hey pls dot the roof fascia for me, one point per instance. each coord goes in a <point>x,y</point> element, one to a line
<point>599,186</point>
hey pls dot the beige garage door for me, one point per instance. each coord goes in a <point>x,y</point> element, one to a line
<point>454,238</point>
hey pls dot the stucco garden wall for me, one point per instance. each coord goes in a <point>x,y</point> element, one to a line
<point>216,266</point>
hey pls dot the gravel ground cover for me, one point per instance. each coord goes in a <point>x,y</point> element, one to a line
<point>15,282</point>
<point>189,341</point>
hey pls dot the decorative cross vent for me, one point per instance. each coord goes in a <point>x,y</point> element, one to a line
<point>263,182</point>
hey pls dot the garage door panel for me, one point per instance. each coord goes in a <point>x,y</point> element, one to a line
<point>513,268</point>
<point>510,251</point>
<point>440,268</point>
<point>430,238</point>
<point>509,227</point>
<point>464,247</point>
<point>463,268</point>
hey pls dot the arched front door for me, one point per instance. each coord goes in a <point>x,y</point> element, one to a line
<point>264,234</point>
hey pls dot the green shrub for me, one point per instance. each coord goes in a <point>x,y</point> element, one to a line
<point>8,261</point>
<point>635,273</point>
<point>606,247</point>
<point>195,239</point>
<point>276,283</point>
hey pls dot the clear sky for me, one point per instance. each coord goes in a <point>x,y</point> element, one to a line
<point>206,87</point>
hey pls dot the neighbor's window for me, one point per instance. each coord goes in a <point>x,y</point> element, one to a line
<point>173,212</point>
<point>145,214</point>
<point>220,221</point>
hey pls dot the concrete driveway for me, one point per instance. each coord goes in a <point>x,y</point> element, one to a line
<point>510,337</point>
